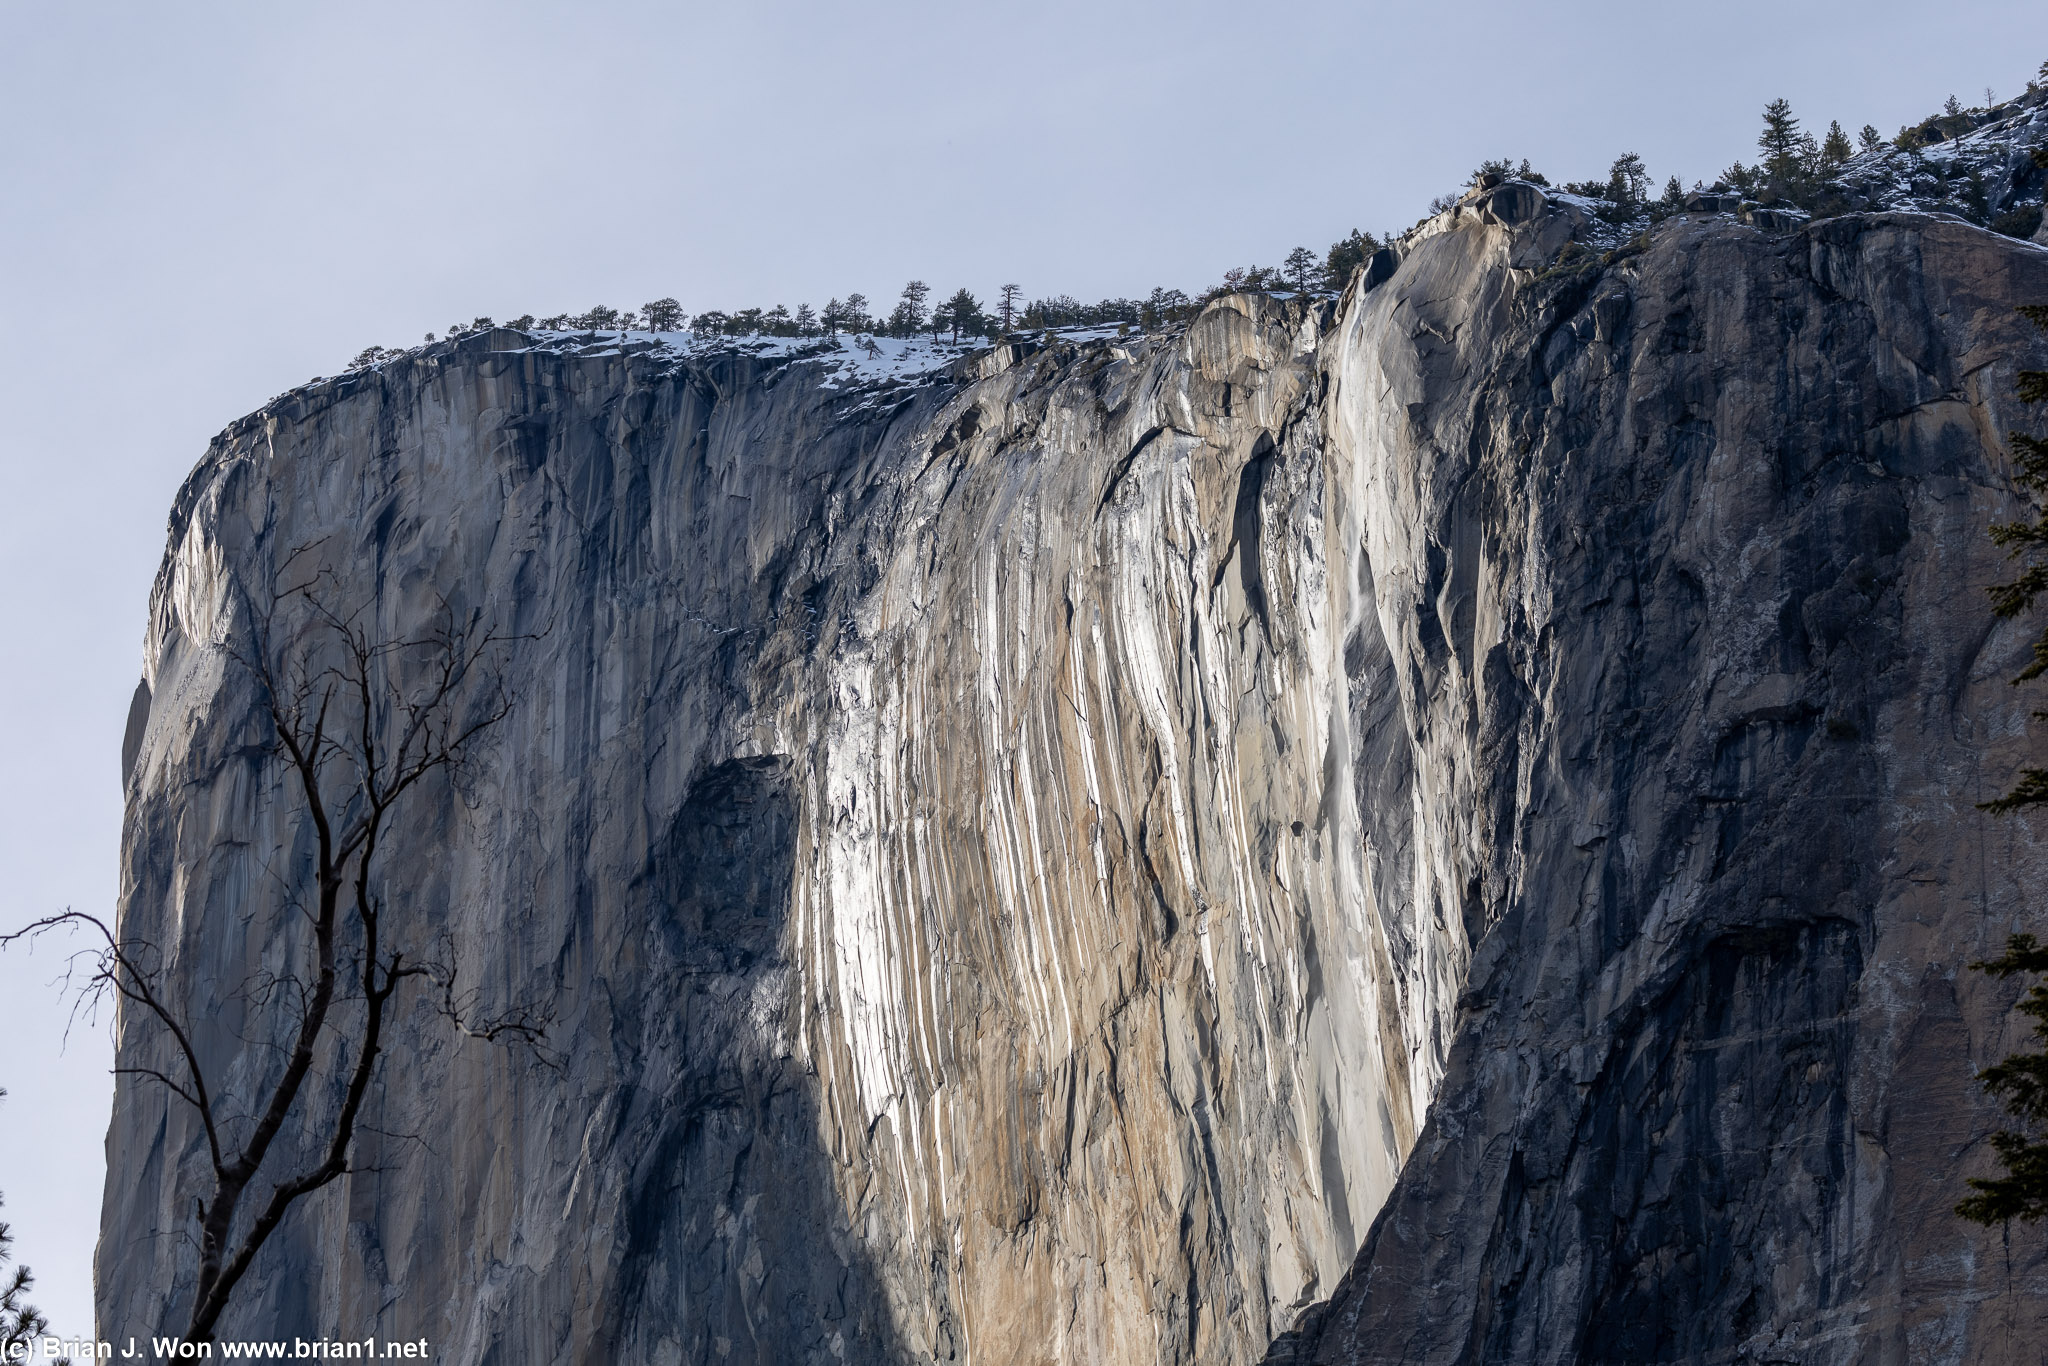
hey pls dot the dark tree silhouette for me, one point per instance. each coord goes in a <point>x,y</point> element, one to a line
<point>1835,148</point>
<point>908,318</point>
<point>1626,189</point>
<point>962,313</point>
<point>1301,269</point>
<point>21,1323</point>
<point>1780,144</point>
<point>663,315</point>
<point>357,724</point>
<point>1347,255</point>
<point>2021,1081</point>
<point>2027,542</point>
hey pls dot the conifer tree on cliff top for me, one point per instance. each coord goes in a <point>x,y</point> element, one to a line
<point>1301,269</point>
<point>2021,1081</point>
<point>963,314</point>
<point>1835,148</point>
<point>907,319</point>
<point>1780,144</point>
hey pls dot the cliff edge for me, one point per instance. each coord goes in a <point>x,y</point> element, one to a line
<point>1436,824</point>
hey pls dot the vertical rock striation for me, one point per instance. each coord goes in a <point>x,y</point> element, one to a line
<point>1681,553</point>
<point>961,828</point>
<point>1019,859</point>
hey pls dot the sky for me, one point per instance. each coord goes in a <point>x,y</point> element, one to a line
<point>202,205</point>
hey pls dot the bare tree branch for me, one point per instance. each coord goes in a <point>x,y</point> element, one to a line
<point>353,738</point>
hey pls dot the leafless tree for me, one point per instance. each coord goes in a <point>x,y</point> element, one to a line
<point>357,723</point>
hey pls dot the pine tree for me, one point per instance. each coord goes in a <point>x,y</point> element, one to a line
<point>1492,170</point>
<point>2026,539</point>
<point>663,315</point>
<point>1301,269</point>
<point>907,319</point>
<point>1006,306</point>
<point>832,317</point>
<point>1809,157</point>
<point>1346,255</point>
<point>1870,138</point>
<point>1779,142</point>
<point>1062,310</point>
<point>1628,180</point>
<point>1164,306</point>
<point>2021,1080</point>
<point>1835,148</point>
<point>1951,106</point>
<point>965,315</point>
<point>806,321</point>
<point>21,1323</point>
<point>1674,196</point>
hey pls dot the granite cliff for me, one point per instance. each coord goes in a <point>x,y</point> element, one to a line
<point>1436,825</point>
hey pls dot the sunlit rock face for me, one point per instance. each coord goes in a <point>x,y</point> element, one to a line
<point>966,831</point>
<point>1437,823</point>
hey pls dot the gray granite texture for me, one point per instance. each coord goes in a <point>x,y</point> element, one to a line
<point>1682,554</point>
<point>1436,824</point>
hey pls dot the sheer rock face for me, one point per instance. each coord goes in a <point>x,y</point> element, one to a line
<point>1682,560</point>
<point>1002,853</point>
<point>933,815</point>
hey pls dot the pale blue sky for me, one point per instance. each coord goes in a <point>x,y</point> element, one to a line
<point>204,204</point>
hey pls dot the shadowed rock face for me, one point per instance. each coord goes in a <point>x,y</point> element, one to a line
<point>1041,864</point>
<point>1682,557</point>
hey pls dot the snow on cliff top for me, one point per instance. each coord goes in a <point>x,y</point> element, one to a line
<point>1984,175</point>
<point>846,361</point>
